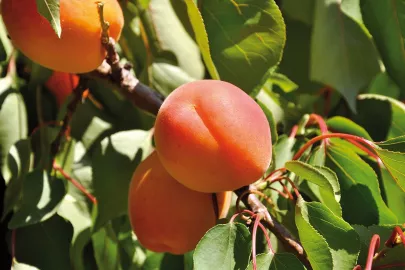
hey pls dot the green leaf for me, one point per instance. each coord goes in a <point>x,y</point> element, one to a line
<point>342,54</point>
<point>324,178</point>
<point>297,52</point>
<point>18,164</point>
<point>385,20</point>
<point>340,238</point>
<point>317,249</point>
<point>51,237</point>
<point>50,10</point>
<point>79,216</point>
<point>42,195</point>
<point>167,77</point>
<point>201,36</point>
<point>283,82</point>
<point>271,120</point>
<point>394,162</point>
<point>382,117</point>
<point>358,183</point>
<point>284,150</point>
<point>396,144</point>
<point>396,195</point>
<point>225,246</point>
<point>302,10</point>
<point>344,125</point>
<point>106,251</point>
<point>167,26</point>
<point>13,117</point>
<point>246,39</point>
<point>382,84</point>
<point>163,261</point>
<point>114,161</point>
<point>278,261</point>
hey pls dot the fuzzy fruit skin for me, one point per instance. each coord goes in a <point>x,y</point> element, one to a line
<point>212,137</point>
<point>61,85</point>
<point>165,215</point>
<point>79,50</point>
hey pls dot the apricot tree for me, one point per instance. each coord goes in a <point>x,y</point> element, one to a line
<point>157,134</point>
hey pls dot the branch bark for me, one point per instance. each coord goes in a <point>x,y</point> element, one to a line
<point>122,79</point>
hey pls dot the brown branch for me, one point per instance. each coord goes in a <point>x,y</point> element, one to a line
<point>145,98</point>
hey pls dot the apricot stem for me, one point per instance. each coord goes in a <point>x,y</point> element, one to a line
<point>374,245</point>
<point>104,25</point>
<point>267,238</point>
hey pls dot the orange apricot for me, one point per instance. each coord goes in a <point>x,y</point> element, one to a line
<point>79,49</point>
<point>211,136</point>
<point>165,215</point>
<point>61,85</point>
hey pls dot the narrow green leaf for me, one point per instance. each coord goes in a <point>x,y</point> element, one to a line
<point>201,37</point>
<point>50,10</point>
<point>41,198</point>
<point>324,178</point>
<point>396,144</point>
<point>246,39</point>
<point>358,183</point>
<point>385,20</point>
<point>344,125</point>
<point>317,249</point>
<point>51,237</point>
<point>394,162</point>
<point>396,195</point>
<point>341,238</point>
<point>114,161</point>
<point>17,165</point>
<point>342,54</point>
<point>225,246</point>
<point>13,117</point>
<point>105,246</point>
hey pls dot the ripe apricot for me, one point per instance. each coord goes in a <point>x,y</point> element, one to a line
<point>61,85</point>
<point>211,136</point>
<point>79,49</point>
<point>165,215</point>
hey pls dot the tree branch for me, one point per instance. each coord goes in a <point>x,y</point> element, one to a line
<point>122,79</point>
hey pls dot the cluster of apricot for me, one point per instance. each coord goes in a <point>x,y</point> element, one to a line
<point>211,138</point>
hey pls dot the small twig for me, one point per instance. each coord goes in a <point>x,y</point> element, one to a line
<point>75,183</point>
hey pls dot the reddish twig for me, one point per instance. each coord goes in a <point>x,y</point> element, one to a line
<point>293,132</point>
<point>75,183</point>
<point>279,179</point>
<point>374,245</point>
<point>331,135</point>
<point>397,237</point>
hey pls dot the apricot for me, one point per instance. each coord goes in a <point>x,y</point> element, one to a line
<point>79,49</point>
<point>165,215</point>
<point>61,85</point>
<point>211,136</point>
